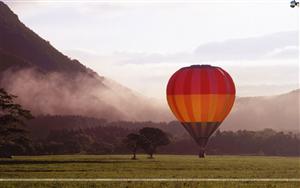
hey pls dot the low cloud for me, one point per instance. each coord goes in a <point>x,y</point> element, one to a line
<point>61,94</point>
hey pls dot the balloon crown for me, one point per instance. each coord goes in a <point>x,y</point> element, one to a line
<point>198,66</point>
<point>203,65</point>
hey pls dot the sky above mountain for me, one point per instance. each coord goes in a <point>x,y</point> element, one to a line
<point>140,44</point>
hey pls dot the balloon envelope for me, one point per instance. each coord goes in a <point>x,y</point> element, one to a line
<point>200,96</point>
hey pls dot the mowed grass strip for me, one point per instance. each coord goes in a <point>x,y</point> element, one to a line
<point>151,184</point>
<point>162,166</point>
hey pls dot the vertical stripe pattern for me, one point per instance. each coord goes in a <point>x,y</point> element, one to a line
<point>200,97</point>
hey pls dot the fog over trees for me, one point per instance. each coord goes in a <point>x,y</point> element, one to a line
<point>82,135</point>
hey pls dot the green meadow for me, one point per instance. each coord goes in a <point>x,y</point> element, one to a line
<point>162,166</point>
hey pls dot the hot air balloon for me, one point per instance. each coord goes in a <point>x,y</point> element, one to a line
<point>200,97</point>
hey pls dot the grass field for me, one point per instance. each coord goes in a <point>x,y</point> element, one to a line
<point>163,166</point>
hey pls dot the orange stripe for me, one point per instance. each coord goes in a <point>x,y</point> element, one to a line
<point>174,108</point>
<point>221,107</point>
<point>213,107</point>
<point>189,107</point>
<point>196,103</point>
<point>201,108</point>
<point>180,101</point>
<point>228,105</point>
<point>204,107</point>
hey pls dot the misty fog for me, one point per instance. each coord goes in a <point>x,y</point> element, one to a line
<point>58,93</point>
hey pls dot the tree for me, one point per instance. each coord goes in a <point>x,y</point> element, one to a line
<point>151,138</point>
<point>12,117</point>
<point>132,142</point>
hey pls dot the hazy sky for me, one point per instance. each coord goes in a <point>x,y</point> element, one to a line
<point>140,44</point>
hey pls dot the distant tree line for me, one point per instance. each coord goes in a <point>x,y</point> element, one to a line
<point>266,142</point>
<point>111,140</point>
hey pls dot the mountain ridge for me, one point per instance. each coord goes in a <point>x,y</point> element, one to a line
<point>19,40</point>
<point>32,68</point>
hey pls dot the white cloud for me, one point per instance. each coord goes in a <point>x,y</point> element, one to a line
<point>283,45</point>
<point>271,49</point>
<point>252,77</point>
<point>264,65</point>
<point>250,48</point>
<point>286,52</point>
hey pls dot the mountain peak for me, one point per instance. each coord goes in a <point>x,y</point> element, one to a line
<point>22,43</point>
<point>6,15</point>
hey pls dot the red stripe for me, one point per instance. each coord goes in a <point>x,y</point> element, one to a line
<point>171,83</point>
<point>231,83</point>
<point>205,80</point>
<point>196,81</point>
<point>213,85</point>
<point>180,82</point>
<point>220,80</point>
<point>187,98</point>
<point>172,89</point>
<point>204,85</point>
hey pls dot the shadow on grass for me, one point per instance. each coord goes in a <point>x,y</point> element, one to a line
<point>57,161</point>
<point>13,162</point>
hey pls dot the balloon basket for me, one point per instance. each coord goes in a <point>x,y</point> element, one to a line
<point>201,153</point>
